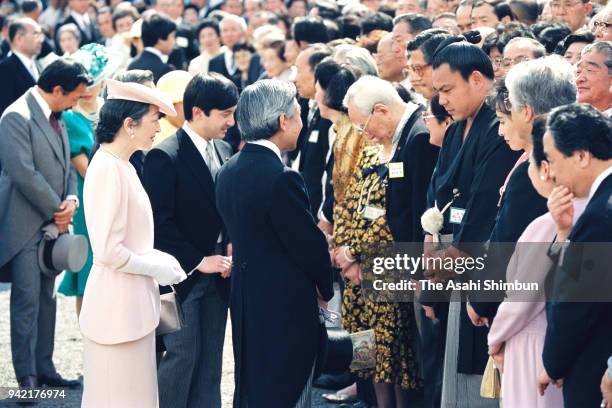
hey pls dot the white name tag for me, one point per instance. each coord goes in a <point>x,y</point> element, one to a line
<point>456,215</point>
<point>314,137</point>
<point>372,213</point>
<point>396,170</point>
<point>182,42</point>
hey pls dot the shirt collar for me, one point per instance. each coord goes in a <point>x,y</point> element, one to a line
<point>81,19</point>
<point>200,143</point>
<point>229,62</point>
<point>28,62</point>
<point>41,102</point>
<point>157,52</point>
<point>410,109</point>
<point>268,144</point>
<point>604,174</point>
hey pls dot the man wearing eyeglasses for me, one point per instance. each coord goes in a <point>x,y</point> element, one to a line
<point>571,12</point>
<point>518,50</point>
<point>602,25</point>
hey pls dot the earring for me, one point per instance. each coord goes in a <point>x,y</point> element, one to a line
<point>131,136</point>
<point>543,178</point>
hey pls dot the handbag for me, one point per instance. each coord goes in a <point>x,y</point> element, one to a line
<point>364,350</point>
<point>171,317</point>
<point>490,387</point>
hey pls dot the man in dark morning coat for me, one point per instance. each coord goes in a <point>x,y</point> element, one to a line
<point>578,147</point>
<point>37,188</point>
<point>281,263</point>
<point>179,176</point>
<point>80,17</point>
<point>158,37</point>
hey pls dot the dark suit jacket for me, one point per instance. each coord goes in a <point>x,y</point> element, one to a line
<point>578,338</point>
<point>17,80</point>
<point>86,37</point>
<point>313,158</point>
<point>182,194</point>
<point>217,64</point>
<point>150,61</point>
<point>280,259</point>
<point>407,195</point>
<point>186,47</point>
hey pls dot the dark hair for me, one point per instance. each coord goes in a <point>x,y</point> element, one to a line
<point>537,136</point>
<point>429,47</point>
<point>437,110</point>
<point>112,115</point>
<point>309,29</point>
<point>406,94</point>
<point>319,53</point>
<point>416,43</point>
<point>327,9</point>
<point>208,92</point>
<point>416,22</point>
<point>16,26</point>
<point>526,11</point>
<point>28,6</point>
<point>388,10</point>
<point>156,27</point>
<point>140,76</point>
<point>335,80</point>
<point>243,46</point>
<point>460,53</point>
<point>63,72</point>
<point>490,43</point>
<point>583,37</point>
<point>349,26</point>
<point>208,23</point>
<point>513,32</point>
<point>499,99</point>
<point>579,126</point>
<point>333,30</point>
<point>123,12</point>
<point>551,36</point>
<point>192,7</point>
<point>290,3</point>
<point>279,47</point>
<point>376,21</point>
<point>503,10</point>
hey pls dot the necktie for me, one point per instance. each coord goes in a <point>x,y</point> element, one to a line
<point>210,159</point>
<point>33,71</point>
<point>53,120</point>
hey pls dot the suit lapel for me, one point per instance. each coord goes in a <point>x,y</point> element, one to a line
<point>46,129</point>
<point>23,72</point>
<point>195,162</point>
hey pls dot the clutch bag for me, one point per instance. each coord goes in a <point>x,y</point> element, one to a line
<point>364,350</point>
<point>170,314</point>
<point>490,387</point>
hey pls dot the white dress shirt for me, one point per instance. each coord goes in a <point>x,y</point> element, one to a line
<point>163,57</point>
<point>604,174</point>
<point>268,144</point>
<point>29,63</point>
<point>82,21</point>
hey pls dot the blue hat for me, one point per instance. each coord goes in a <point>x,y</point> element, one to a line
<point>99,61</point>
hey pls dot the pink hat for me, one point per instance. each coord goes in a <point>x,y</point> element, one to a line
<point>132,91</point>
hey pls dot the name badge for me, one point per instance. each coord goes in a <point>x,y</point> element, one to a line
<point>396,170</point>
<point>456,215</point>
<point>182,42</point>
<point>372,213</point>
<point>314,137</point>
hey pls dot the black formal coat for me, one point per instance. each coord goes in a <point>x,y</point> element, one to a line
<point>520,204</point>
<point>280,259</point>
<point>313,158</point>
<point>86,37</point>
<point>475,167</point>
<point>217,64</point>
<point>17,80</point>
<point>182,194</point>
<point>578,338</point>
<point>150,61</point>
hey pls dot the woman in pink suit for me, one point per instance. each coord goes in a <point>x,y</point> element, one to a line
<point>516,337</point>
<point>121,301</point>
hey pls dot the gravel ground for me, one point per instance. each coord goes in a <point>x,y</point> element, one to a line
<point>69,349</point>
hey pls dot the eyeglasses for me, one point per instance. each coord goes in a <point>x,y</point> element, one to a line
<point>363,128</point>
<point>557,5</point>
<point>497,61</point>
<point>601,24</point>
<point>418,69</point>
<point>508,63</point>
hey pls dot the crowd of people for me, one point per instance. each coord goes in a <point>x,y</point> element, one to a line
<point>249,156</point>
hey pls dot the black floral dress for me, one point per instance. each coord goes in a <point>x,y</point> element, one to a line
<point>393,323</point>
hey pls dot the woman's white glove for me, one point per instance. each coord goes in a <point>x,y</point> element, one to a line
<point>162,267</point>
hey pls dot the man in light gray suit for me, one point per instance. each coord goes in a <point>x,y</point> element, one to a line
<point>37,187</point>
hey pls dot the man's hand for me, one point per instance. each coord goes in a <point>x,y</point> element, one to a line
<point>216,264</point>
<point>342,257</point>
<point>438,275</point>
<point>229,250</point>
<point>561,209</point>
<point>63,216</point>
<point>429,312</point>
<point>476,320</point>
<point>544,380</point>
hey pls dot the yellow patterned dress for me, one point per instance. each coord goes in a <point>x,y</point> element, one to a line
<point>393,323</point>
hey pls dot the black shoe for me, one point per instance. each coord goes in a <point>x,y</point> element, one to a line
<point>25,382</point>
<point>58,382</point>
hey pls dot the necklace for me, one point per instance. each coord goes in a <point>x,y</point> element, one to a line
<point>109,151</point>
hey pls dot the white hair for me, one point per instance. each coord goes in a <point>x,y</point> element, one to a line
<point>357,57</point>
<point>234,19</point>
<point>543,84</point>
<point>537,49</point>
<point>368,91</point>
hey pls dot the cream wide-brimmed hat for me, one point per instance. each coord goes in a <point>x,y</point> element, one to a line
<point>132,91</point>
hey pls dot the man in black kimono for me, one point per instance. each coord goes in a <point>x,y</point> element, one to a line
<point>473,164</point>
<point>578,147</point>
<point>281,264</point>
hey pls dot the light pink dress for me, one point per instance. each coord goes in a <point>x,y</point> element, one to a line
<point>120,310</point>
<point>521,324</point>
